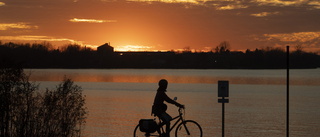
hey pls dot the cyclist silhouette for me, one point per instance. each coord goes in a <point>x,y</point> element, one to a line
<point>159,107</point>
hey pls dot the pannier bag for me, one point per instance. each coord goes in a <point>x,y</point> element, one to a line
<point>148,125</point>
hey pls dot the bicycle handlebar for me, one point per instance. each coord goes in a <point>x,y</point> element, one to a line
<point>180,110</point>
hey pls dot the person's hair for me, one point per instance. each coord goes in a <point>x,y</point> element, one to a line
<point>163,82</point>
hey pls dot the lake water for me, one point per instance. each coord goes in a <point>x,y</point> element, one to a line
<point>117,98</point>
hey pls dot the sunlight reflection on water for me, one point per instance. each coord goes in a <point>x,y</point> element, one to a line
<point>298,77</point>
<point>253,110</point>
<point>115,105</point>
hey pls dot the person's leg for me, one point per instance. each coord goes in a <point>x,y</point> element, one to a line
<point>166,118</point>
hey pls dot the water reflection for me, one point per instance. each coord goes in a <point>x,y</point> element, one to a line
<point>272,77</point>
<point>117,99</point>
<point>254,110</point>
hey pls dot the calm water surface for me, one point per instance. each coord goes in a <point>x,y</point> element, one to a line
<point>118,98</point>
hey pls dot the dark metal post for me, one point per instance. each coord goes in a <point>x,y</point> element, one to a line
<point>288,91</point>
<point>222,117</point>
<point>223,91</point>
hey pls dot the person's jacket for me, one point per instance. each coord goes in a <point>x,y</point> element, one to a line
<point>158,105</point>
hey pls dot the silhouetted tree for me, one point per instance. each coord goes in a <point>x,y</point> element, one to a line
<point>25,112</point>
<point>63,110</point>
<point>223,47</point>
<point>186,50</point>
<point>76,56</point>
<point>298,49</point>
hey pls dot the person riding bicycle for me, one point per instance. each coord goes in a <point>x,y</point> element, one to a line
<point>159,108</point>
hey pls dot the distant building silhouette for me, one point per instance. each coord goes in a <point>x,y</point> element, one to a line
<point>105,48</point>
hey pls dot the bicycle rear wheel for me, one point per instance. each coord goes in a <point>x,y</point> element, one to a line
<point>189,128</point>
<point>138,133</point>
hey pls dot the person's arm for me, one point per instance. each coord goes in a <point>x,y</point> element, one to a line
<point>169,100</point>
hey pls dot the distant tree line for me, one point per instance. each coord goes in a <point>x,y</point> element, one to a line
<point>75,56</point>
<point>26,112</point>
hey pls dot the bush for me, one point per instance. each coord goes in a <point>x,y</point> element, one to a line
<point>26,112</point>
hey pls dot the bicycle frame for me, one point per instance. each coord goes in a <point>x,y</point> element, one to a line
<point>179,124</point>
<point>179,117</point>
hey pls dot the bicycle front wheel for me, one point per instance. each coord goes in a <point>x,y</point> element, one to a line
<point>189,128</point>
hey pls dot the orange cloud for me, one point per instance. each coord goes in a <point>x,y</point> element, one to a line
<point>294,37</point>
<point>316,4</point>
<point>6,26</point>
<point>91,20</point>
<point>264,14</point>
<point>231,7</point>
<point>309,40</point>
<point>236,4</point>
<point>169,1</point>
<point>37,38</point>
<point>280,2</point>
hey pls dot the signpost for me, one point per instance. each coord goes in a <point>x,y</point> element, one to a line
<point>223,92</point>
<point>288,67</point>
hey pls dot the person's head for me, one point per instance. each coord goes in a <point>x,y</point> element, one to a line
<point>163,84</point>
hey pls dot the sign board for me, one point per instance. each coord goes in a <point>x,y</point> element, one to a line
<point>223,100</point>
<point>223,88</point>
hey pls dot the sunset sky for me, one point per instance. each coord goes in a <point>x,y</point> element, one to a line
<point>163,24</point>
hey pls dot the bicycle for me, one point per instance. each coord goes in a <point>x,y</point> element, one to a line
<point>184,127</point>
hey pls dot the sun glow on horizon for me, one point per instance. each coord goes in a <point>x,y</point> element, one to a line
<point>180,26</point>
<point>134,48</point>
